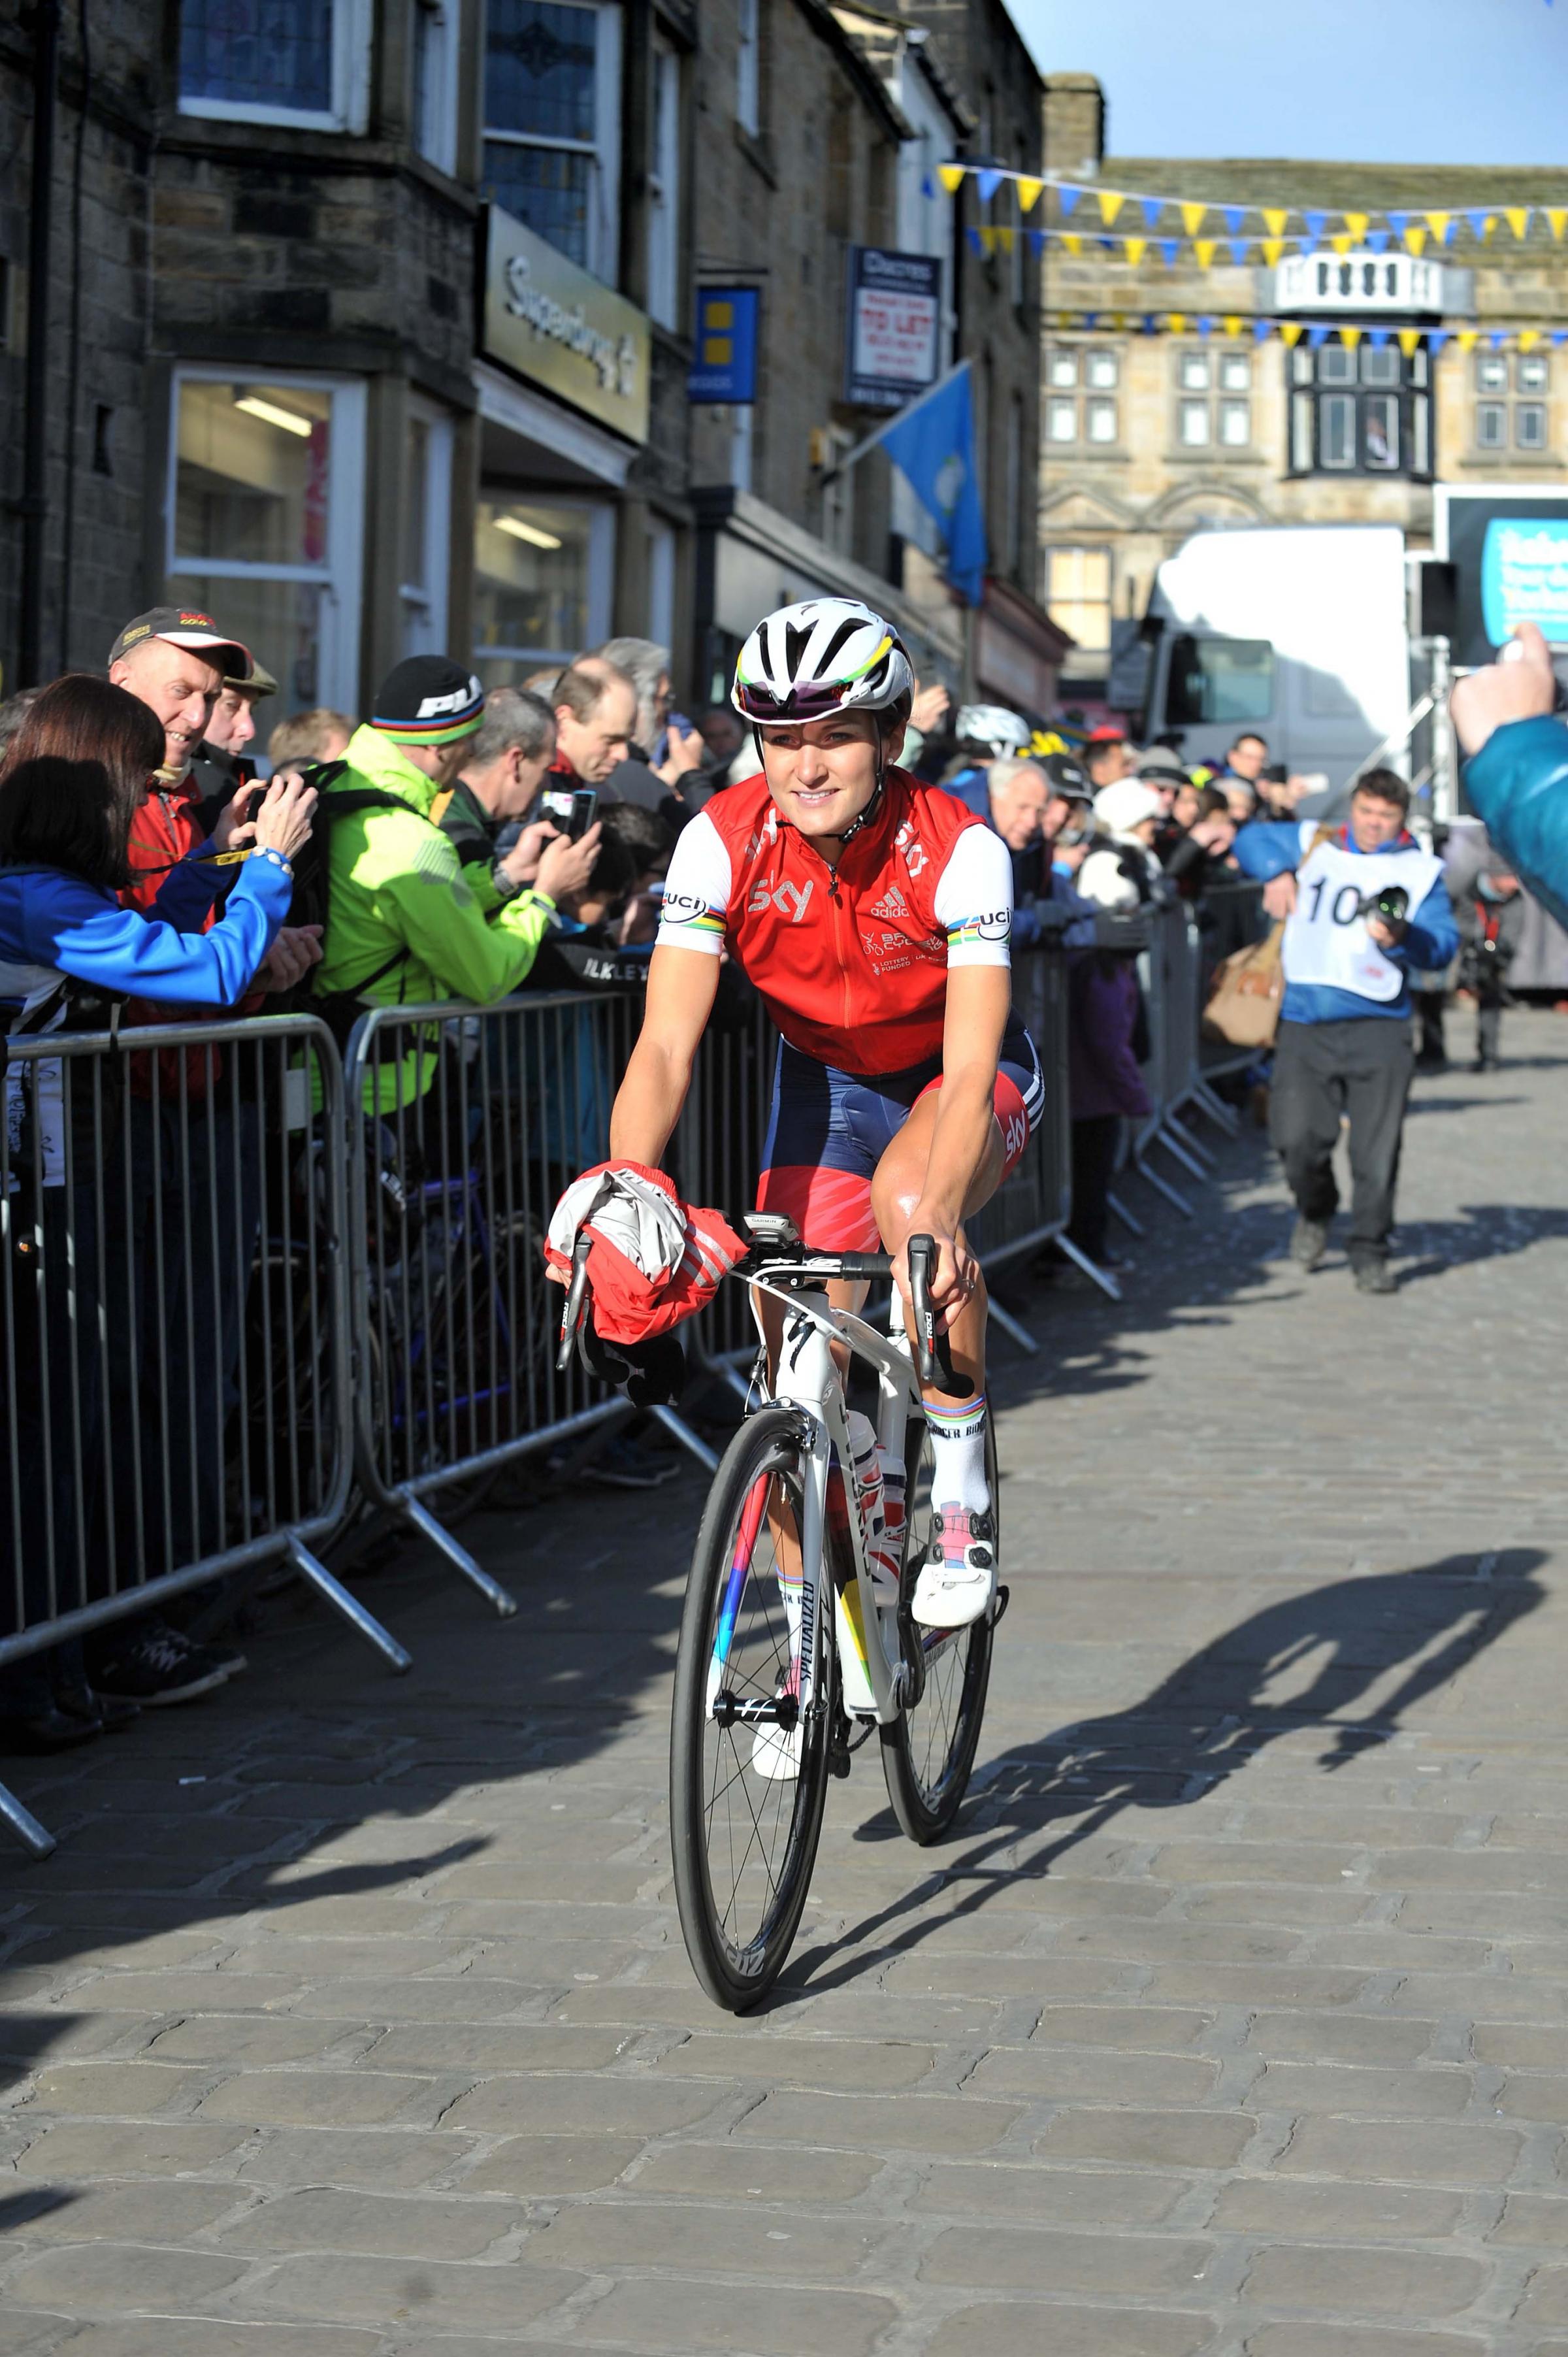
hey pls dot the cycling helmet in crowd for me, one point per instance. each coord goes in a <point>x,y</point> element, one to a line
<point>822,656</point>
<point>1002,732</point>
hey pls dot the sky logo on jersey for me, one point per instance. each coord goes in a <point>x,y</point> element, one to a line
<point>789,899</point>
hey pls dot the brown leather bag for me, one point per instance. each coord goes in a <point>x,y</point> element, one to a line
<point>1244,999</point>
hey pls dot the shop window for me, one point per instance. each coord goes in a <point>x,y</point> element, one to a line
<point>299,61</point>
<point>1078,594</point>
<point>541,584</point>
<point>435,42</point>
<point>664,188</point>
<point>553,122</point>
<point>427,530</point>
<point>1360,409</point>
<point>1510,410</point>
<point>265,519</point>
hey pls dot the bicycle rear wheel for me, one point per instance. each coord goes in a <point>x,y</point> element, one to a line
<point>744,1835</point>
<point>928,1752</point>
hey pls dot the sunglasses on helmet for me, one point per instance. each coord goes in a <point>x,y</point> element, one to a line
<point>817,701</point>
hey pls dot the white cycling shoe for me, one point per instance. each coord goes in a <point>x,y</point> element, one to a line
<point>957,1582</point>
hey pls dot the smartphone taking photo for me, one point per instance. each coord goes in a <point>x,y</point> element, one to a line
<point>572,810</point>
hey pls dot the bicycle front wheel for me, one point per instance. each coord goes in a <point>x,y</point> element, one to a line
<point>928,1752</point>
<point>748,1766</point>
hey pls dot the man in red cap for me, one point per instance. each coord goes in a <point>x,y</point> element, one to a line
<point>1105,755</point>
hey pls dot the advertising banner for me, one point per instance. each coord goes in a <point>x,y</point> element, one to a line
<point>894,326</point>
<point>548,320</point>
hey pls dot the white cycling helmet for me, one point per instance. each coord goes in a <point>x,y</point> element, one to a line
<point>824,656</point>
<point>992,724</point>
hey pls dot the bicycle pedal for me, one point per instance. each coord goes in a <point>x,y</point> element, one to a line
<point>838,1760</point>
<point>999,1607</point>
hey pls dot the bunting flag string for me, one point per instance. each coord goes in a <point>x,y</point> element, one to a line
<point>1204,252</point>
<point>1305,225</point>
<point>1262,326</point>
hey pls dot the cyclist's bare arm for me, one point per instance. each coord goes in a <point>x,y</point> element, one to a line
<point>932,1175</point>
<point>682,984</point>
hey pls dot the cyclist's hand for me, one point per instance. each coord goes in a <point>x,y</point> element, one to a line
<point>957,1271</point>
<point>1279,894</point>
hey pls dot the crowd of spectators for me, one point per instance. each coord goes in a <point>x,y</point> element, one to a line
<point>452,844</point>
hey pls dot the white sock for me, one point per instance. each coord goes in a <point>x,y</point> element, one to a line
<point>957,1447</point>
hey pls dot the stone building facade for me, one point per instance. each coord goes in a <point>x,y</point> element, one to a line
<point>1147,438</point>
<point>372,329</point>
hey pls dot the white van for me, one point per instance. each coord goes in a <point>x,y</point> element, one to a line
<point>1297,632</point>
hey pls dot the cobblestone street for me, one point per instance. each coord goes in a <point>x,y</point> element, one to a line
<point>351,2018</point>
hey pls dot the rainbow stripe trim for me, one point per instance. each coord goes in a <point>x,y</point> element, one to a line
<point>969,931</point>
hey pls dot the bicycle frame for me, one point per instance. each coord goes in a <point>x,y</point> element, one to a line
<point>808,1381</point>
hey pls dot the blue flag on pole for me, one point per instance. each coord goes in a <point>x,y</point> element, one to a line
<point>933,447</point>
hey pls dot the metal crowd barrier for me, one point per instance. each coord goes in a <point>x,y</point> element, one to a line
<point>241,1275</point>
<point>174,1325</point>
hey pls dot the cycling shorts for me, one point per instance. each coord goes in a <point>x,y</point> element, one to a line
<point>829,1130</point>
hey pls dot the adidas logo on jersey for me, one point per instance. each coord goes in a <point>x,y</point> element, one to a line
<point>891,905</point>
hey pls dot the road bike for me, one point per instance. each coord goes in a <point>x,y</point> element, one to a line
<point>793,1646</point>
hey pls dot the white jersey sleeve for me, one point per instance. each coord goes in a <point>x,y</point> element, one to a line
<point>695,908</point>
<point>973,899</point>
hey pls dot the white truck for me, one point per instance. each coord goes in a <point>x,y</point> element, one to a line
<point>1335,643</point>
<point>1298,631</point>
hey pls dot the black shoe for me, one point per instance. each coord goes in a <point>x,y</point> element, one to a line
<point>1486,1064</point>
<point>152,1664</point>
<point>48,1730</point>
<point>107,1711</point>
<point>228,1656</point>
<point>1376,1276</point>
<point>623,1465</point>
<point>1309,1241</point>
<point>1431,1063</point>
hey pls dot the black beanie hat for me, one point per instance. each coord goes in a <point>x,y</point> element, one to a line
<point>428,700</point>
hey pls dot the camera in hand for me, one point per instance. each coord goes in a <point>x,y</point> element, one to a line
<point>1391,904</point>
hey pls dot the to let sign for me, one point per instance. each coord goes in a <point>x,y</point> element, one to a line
<point>895,325</point>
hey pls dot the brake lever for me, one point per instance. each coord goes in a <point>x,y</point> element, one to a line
<point>572,1316</point>
<point>933,1352</point>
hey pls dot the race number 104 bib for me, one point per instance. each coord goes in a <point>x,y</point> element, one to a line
<point>1326,938</point>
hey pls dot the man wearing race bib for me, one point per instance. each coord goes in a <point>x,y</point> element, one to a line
<point>1363,904</point>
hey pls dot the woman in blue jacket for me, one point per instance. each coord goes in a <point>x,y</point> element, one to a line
<point>75,774</point>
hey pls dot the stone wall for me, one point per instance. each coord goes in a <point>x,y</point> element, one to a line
<point>102,431</point>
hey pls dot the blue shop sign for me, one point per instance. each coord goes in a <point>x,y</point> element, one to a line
<point>725,368</point>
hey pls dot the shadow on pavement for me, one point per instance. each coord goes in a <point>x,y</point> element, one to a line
<point>1203,1724</point>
